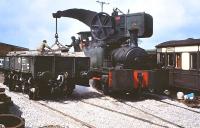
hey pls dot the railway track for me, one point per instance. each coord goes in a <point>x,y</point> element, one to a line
<point>59,112</point>
<point>94,105</point>
<point>132,116</point>
<point>172,123</point>
<point>145,96</point>
<point>67,115</point>
<point>83,123</point>
<point>124,114</point>
<point>160,99</point>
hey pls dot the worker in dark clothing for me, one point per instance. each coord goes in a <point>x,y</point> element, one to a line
<point>75,43</point>
<point>115,12</point>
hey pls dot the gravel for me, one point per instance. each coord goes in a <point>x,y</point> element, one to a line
<point>36,115</point>
<point>176,112</point>
<point>143,113</point>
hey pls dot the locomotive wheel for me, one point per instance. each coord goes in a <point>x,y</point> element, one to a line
<point>69,92</point>
<point>23,89</point>
<point>101,26</point>
<point>68,89</point>
<point>11,87</point>
<point>104,84</point>
<point>18,88</point>
<point>139,91</point>
<point>5,83</point>
<point>105,89</point>
<point>32,96</point>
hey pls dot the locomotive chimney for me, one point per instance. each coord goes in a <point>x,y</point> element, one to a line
<point>133,37</point>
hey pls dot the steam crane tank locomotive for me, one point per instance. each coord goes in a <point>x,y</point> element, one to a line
<point>117,63</point>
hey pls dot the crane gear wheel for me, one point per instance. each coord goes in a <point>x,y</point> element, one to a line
<point>102,26</point>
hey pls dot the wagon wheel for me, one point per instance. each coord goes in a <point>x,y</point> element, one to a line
<point>33,93</point>
<point>68,89</point>
<point>101,26</point>
<point>11,86</point>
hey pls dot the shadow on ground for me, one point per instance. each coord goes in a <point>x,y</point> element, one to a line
<point>14,109</point>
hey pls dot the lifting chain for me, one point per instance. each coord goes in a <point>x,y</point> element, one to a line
<point>56,36</point>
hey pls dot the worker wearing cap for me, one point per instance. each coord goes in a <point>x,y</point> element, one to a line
<point>43,46</point>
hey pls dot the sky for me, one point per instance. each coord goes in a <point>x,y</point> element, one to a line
<point>26,23</point>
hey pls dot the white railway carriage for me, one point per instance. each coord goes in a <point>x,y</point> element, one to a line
<point>182,58</point>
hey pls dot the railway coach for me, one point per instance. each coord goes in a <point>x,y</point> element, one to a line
<point>182,59</point>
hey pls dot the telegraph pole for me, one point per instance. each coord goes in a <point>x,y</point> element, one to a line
<point>101,3</point>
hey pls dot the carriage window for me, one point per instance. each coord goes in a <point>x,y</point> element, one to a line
<point>178,60</point>
<point>193,60</point>
<point>170,60</point>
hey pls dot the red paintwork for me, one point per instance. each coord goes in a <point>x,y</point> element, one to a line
<point>145,78</point>
<point>110,79</point>
<point>96,78</point>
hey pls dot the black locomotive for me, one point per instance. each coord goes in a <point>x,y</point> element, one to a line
<point>117,63</point>
<point>44,75</point>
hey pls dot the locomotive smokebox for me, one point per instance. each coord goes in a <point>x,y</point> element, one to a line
<point>129,57</point>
